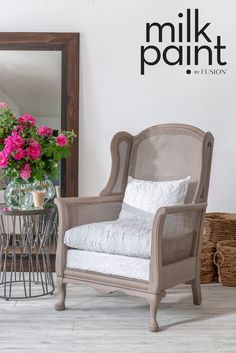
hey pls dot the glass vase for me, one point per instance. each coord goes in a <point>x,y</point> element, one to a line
<point>18,194</point>
<point>47,186</point>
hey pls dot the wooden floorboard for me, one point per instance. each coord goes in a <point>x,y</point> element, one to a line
<point>96,322</point>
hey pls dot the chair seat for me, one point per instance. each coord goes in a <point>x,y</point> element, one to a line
<point>116,265</point>
<point>130,237</point>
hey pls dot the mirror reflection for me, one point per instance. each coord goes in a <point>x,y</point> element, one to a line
<point>30,82</point>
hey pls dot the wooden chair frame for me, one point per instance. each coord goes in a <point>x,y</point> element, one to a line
<point>77,211</point>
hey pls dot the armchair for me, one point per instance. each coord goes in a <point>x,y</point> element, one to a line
<point>160,153</point>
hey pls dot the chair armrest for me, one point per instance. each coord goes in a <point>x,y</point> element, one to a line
<point>184,219</point>
<point>75,211</point>
<point>181,208</point>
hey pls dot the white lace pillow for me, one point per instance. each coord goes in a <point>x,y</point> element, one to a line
<point>143,198</point>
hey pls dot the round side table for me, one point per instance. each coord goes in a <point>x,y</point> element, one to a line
<point>25,270</point>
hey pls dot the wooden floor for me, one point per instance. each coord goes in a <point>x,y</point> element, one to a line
<point>96,322</point>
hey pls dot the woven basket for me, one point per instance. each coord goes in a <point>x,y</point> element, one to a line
<point>207,265</point>
<point>225,260</point>
<point>219,226</point>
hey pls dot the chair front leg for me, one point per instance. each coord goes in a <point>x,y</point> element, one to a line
<point>60,305</point>
<point>196,288</point>
<point>196,283</point>
<point>154,300</point>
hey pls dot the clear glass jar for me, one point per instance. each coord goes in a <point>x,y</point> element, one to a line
<point>18,194</point>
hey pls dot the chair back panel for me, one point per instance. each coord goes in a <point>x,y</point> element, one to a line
<point>123,158</point>
<point>161,153</point>
<point>168,153</point>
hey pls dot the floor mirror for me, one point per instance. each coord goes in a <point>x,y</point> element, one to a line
<point>39,74</point>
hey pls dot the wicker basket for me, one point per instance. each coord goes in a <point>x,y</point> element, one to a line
<point>207,265</point>
<point>225,260</point>
<point>219,226</point>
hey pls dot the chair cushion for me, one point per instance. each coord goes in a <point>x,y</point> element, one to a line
<point>116,265</point>
<point>148,196</point>
<point>131,237</point>
<point>123,237</point>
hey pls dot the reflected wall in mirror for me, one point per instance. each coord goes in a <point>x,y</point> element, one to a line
<point>39,74</point>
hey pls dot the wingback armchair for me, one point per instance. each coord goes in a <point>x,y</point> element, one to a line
<point>160,153</point>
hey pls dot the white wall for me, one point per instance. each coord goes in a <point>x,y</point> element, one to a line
<point>115,97</point>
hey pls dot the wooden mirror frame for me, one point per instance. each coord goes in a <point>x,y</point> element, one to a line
<point>68,44</point>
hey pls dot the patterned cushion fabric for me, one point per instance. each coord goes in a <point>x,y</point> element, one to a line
<point>125,237</point>
<point>143,196</point>
<point>116,265</point>
<point>131,234</point>
<point>131,237</point>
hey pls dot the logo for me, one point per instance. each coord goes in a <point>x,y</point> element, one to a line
<point>190,44</point>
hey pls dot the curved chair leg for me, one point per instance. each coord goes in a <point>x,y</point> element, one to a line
<point>154,301</point>
<point>196,290</point>
<point>60,305</point>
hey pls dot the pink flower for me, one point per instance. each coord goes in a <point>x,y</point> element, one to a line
<point>25,171</point>
<point>34,149</point>
<point>3,105</point>
<point>17,140</point>
<point>13,142</point>
<point>3,160</point>
<point>45,130</point>
<point>19,128</point>
<point>9,145</point>
<point>19,154</point>
<point>61,140</point>
<point>27,119</point>
<point>5,209</point>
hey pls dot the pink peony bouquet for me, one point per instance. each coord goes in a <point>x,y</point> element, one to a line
<point>29,151</point>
